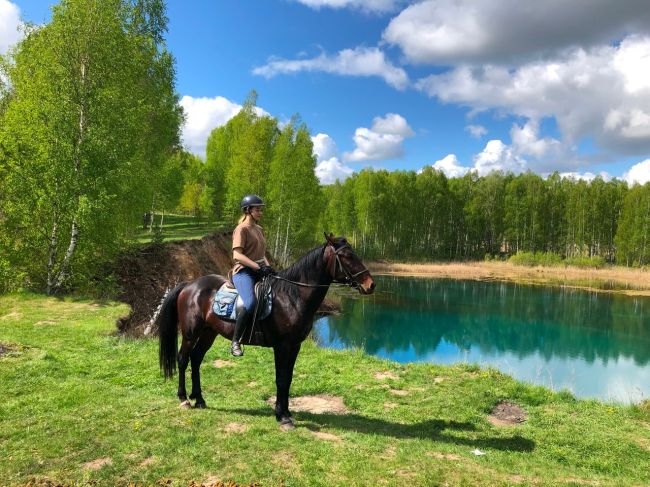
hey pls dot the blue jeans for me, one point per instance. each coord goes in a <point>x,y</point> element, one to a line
<point>244,281</point>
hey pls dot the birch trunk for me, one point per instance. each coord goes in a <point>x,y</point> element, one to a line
<point>52,257</point>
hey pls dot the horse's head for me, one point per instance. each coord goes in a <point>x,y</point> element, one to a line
<point>345,266</point>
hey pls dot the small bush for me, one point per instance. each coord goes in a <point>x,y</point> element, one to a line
<point>596,262</point>
<point>538,258</point>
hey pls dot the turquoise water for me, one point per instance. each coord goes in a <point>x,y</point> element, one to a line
<point>596,345</point>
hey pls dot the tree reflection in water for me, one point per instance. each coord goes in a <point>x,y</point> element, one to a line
<point>411,319</point>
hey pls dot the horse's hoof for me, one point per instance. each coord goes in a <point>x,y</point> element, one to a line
<point>287,424</point>
<point>200,405</point>
<point>185,404</point>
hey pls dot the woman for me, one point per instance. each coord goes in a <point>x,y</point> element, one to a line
<point>248,252</point>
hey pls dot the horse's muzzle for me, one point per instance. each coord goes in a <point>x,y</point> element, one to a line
<point>367,286</point>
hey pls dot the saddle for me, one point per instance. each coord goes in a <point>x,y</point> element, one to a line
<point>228,304</point>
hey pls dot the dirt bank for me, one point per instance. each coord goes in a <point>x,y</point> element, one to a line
<point>622,280</point>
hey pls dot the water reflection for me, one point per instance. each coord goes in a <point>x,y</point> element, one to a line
<point>595,344</point>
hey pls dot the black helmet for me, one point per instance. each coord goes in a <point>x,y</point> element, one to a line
<point>250,200</point>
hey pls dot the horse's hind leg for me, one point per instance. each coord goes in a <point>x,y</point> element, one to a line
<point>183,358</point>
<point>205,342</point>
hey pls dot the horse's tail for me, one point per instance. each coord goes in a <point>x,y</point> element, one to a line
<point>168,331</point>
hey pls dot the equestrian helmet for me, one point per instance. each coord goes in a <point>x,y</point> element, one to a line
<point>250,200</point>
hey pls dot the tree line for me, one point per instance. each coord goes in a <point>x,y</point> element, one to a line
<point>425,215</point>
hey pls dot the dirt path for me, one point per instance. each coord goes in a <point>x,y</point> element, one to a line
<point>633,282</point>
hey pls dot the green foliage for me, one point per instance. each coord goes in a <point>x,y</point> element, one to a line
<point>91,118</point>
<point>548,259</point>
<point>594,262</point>
<point>633,237</point>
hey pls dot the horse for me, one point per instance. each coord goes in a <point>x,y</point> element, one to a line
<point>298,291</point>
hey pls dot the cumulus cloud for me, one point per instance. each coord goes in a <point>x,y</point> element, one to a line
<point>324,147</point>
<point>526,141</point>
<point>202,115</point>
<point>383,141</point>
<point>329,170</point>
<point>603,93</point>
<point>639,173</point>
<point>467,31</point>
<point>360,61</point>
<point>450,166</point>
<point>371,6</point>
<point>497,156</point>
<point>587,176</point>
<point>9,25</point>
<point>476,131</point>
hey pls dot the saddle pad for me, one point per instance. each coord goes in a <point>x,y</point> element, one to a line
<point>227,302</point>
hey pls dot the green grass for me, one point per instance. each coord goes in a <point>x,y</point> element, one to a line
<point>180,227</point>
<point>75,392</point>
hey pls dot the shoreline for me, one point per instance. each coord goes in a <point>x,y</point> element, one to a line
<point>613,280</point>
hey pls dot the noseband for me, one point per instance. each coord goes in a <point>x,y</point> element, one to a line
<point>349,277</point>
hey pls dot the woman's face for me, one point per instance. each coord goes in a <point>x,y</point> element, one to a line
<point>257,212</point>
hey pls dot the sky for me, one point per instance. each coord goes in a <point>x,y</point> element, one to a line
<point>459,85</point>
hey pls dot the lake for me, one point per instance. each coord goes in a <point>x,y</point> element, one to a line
<point>596,345</point>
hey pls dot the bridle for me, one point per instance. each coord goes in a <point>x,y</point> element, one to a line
<point>349,277</point>
<point>334,265</point>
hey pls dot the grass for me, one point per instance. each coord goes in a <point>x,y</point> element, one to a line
<point>77,393</point>
<point>179,227</point>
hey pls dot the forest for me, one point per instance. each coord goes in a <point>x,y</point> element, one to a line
<point>90,127</point>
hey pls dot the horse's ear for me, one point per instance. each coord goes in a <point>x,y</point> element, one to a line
<point>328,237</point>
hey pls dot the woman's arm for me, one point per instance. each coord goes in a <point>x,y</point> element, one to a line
<point>242,259</point>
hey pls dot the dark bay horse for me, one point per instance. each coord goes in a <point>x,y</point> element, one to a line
<point>298,291</point>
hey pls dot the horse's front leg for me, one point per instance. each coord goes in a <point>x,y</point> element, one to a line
<point>183,359</point>
<point>285,359</point>
<point>203,345</point>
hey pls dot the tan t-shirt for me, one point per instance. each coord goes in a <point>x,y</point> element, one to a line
<point>249,239</point>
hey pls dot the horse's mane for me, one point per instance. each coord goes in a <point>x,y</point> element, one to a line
<point>299,271</point>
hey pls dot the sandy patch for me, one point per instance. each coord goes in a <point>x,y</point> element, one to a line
<point>220,364</point>
<point>251,384</point>
<point>319,404</point>
<point>507,414</point>
<point>399,392</point>
<point>443,456</point>
<point>390,405</point>
<point>438,380</point>
<point>98,464</point>
<point>147,461</point>
<point>45,323</point>
<point>185,405</point>
<point>386,375</point>
<point>235,428</point>
<point>14,315</point>
<point>321,435</point>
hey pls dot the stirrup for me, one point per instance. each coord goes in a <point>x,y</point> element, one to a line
<point>235,349</point>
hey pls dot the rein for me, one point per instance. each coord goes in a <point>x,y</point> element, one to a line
<point>349,278</point>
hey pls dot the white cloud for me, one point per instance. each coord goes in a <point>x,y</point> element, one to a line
<point>450,166</point>
<point>587,176</point>
<point>9,25</point>
<point>457,31</point>
<point>324,147</point>
<point>598,93</point>
<point>526,141</point>
<point>382,141</point>
<point>498,156</point>
<point>639,173</point>
<point>374,6</point>
<point>202,115</point>
<point>360,61</point>
<point>476,131</point>
<point>328,171</point>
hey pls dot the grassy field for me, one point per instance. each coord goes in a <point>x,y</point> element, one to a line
<point>180,227</point>
<point>84,406</point>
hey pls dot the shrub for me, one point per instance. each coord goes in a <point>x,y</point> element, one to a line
<point>538,258</point>
<point>596,262</point>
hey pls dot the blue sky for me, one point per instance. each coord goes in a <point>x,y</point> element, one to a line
<point>394,84</point>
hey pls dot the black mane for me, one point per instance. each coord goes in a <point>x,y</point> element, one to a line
<point>299,271</point>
